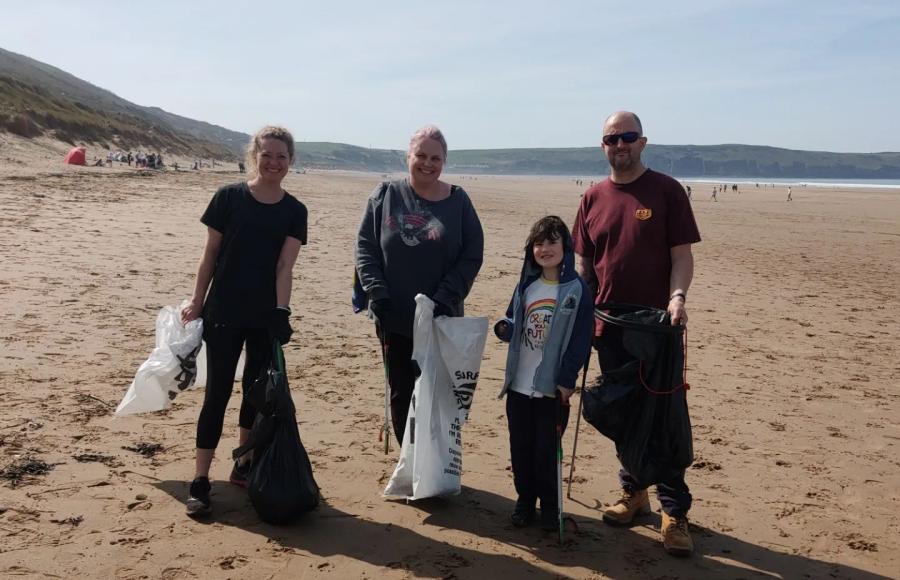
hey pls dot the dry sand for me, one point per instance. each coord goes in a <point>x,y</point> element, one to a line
<point>793,356</point>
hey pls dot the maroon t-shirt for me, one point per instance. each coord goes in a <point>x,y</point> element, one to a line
<point>629,230</point>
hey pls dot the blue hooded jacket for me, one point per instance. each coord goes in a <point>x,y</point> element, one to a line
<point>568,343</point>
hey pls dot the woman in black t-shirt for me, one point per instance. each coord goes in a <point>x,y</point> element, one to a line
<point>254,233</point>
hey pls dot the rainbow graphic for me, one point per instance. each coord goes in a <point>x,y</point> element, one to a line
<point>538,317</point>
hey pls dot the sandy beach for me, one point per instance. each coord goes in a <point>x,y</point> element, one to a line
<point>794,364</point>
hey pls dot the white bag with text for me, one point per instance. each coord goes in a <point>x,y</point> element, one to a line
<point>448,352</point>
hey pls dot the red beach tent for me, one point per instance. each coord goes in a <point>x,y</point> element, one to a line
<point>75,156</point>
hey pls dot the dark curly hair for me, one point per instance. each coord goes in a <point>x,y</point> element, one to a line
<point>550,228</point>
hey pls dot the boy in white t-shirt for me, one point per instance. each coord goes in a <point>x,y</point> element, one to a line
<point>549,326</point>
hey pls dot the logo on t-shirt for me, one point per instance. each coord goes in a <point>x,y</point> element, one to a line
<point>415,228</point>
<point>643,213</point>
<point>537,323</point>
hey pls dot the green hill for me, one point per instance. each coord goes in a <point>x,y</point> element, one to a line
<point>39,99</point>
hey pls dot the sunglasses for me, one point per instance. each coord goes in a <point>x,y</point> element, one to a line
<point>629,137</point>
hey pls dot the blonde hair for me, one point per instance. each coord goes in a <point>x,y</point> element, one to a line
<point>268,132</point>
<point>429,132</point>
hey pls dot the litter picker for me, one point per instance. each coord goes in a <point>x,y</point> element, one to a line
<point>386,427</point>
<point>559,458</point>
<point>587,363</point>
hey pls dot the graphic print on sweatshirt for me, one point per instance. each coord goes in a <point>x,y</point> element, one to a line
<point>415,227</point>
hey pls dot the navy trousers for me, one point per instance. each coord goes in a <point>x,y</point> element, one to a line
<point>532,444</point>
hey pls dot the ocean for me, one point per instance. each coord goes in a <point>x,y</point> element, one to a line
<point>783,182</point>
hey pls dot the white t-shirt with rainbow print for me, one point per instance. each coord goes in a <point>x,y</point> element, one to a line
<point>540,303</point>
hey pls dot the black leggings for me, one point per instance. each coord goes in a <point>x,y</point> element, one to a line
<point>223,349</point>
<point>401,372</point>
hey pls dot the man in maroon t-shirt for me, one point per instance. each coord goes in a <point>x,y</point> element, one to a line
<point>633,236</point>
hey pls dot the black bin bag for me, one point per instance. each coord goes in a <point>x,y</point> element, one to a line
<point>281,485</point>
<point>642,406</point>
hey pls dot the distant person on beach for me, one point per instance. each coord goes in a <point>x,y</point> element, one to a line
<point>789,194</point>
<point>549,326</point>
<point>254,233</point>
<point>418,235</point>
<point>713,196</point>
<point>687,188</point>
<point>633,236</point>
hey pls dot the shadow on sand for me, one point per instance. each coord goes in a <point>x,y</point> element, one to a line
<point>612,551</point>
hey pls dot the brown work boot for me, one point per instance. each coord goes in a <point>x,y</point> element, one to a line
<point>675,535</point>
<point>629,505</point>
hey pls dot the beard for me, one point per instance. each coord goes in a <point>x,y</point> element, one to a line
<point>623,162</point>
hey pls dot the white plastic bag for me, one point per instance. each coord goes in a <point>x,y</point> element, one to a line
<point>448,351</point>
<point>171,367</point>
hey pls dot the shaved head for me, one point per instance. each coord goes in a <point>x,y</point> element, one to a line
<point>624,156</point>
<point>619,116</point>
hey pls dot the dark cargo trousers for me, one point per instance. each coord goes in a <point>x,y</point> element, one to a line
<point>673,493</point>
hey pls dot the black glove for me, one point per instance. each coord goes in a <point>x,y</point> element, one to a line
<point>280,325</point>
<point>442,310</point>
<point>503,329</point>
<point>380,308</point>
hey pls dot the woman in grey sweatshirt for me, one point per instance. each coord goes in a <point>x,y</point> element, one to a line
<point>418,235</point>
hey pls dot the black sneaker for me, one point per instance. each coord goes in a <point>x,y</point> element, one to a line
<point>239,474</point>
<point>522,518</point>
<point>198,503</point>
<point>523,514</point>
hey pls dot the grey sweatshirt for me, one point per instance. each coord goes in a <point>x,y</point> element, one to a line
<point>408,245</point>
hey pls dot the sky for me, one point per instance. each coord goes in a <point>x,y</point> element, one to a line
<point>815,75</point>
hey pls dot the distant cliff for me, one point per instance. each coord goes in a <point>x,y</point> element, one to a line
<point>679,160</point>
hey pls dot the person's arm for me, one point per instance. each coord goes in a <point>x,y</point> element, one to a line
<point>585,268</point>
<point>457,282</point>
<point>680,281</point>
<point>369,258</point>
<point>584,246</point>
<point>204,275</point>
<point>284,271</point>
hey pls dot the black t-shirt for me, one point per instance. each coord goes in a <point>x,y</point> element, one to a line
<point>243,284</point>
